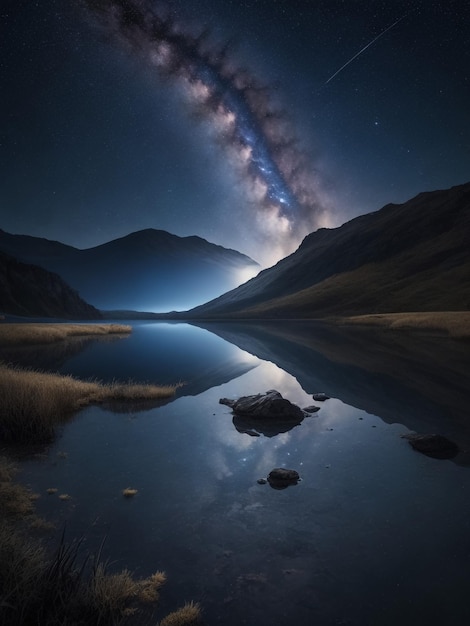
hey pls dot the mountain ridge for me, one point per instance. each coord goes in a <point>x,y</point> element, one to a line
<point>372,263</point>
<point>28,290</point>
<point>145,270</point>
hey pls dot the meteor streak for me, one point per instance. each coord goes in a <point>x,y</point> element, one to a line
<point>364,49</point>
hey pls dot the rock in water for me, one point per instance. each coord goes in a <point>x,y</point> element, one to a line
<point>320,397</point>
<point>280,477</point>
<point>270,405</point>
<point>435,446</point>
<point>311,409</point>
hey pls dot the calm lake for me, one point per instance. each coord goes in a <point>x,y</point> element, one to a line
<point>374,534</point>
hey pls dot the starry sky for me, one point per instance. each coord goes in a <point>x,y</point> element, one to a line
<point>249,123</point>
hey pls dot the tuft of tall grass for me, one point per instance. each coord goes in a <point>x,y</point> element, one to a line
<point>66,588</point>
<point>109,594</point>
<point>34,403</point>
<point>21,568</point>
<point>15,500</point>
<point>149,588</point>
<point>17,334</point>
<point>187,615</point>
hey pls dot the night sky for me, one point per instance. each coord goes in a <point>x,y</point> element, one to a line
<point>248,123</point>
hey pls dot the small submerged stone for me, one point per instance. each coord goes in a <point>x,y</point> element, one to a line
<point>261,481</point>
<point>280,477</point>
<point>320,397</point>
<point>311,409</point>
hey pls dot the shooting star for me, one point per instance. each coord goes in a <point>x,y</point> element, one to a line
<point>365,48</point>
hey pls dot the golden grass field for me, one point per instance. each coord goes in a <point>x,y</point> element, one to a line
<point>18,334</point>
<point>454,323</point>
<point>33,403</point>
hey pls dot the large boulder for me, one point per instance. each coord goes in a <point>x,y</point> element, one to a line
<point>270,405</point>
<point>436,446</point>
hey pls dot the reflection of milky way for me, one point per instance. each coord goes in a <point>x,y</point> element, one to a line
<point>254,132</point>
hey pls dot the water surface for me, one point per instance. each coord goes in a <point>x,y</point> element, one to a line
<point>374,533</point>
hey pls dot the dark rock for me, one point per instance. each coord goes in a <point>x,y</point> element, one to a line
<point>256,426</point>
<point>435,446</point>
<point>320,397</point>
<point>280,478</point>
<point>261,481</point>
<point>311,409</point>
<point>270,405</point>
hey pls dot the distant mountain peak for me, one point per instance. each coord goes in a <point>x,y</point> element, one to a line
<point>147,270</point>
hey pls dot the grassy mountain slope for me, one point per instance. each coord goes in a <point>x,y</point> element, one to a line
<point>408,257</point>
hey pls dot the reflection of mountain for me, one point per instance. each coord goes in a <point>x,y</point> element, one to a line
<point>29,290</point>
<point>51,357</point>
<point>214,377</point>
<point>407,257</point>
<point>421,382</point>
<point>146,270</point>
<point>55,357</point>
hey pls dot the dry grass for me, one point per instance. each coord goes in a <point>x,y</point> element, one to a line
<point>37,589</point>
<point>33,403</point>
<point>15,500</point>
<point>20,334</point>
<point>188,615</point>
<point>113,595</point>
<point>110,593</point>
<point>21,566</point>
<point>454,323</point>
<point>148,590</point>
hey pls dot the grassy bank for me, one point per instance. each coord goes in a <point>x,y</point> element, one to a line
<point>20,334</point>
<point>65,588</point>
<point>454,323</point>
<point>34,403</point>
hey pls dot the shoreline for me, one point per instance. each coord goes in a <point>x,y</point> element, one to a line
<point>33,333</point>
<point>454,324</point>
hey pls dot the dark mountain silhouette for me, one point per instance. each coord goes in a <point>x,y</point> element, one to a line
<point>29,290</point>
<point>146,270</point>
<point>405,257</point>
